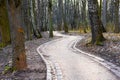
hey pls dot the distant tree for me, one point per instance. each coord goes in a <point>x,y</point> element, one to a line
<point>84,15</point>
<point>95,21</point>
<point>60,14</point>
<point>65,17</point>
<point>116,16</point>
<point>4,24</point>
<point>100,8</point>
<point>99,13</point>
<point>45,15</point>
<point>111,11</point>
<point>26,19</point>
<point>50,18</point>
<point>17,34</point>
<point>104,13</point>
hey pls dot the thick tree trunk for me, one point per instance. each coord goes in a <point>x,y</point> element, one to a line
<point>95,22</point>
<point>17,35</point>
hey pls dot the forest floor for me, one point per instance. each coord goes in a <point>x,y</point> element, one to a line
<point>36,67</point>
<point>109,50</point>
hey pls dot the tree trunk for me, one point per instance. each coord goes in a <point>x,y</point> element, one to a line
<point>50,18</point>
<point>100,8</point>
<point>65,18</point>
<point>99,12</point>
<point>60,14</point>
<point>95,22</point>
<point>4,24</point>
<point>17,35</point>
<point>104,12</point>
<point>84,15</point>
<point>26,19</point>
<point>116,16</point>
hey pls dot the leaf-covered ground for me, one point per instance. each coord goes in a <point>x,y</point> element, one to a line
<point>110,50</point>
<point>36,67</point>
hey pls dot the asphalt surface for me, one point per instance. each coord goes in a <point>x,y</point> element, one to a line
<point>75,66</point>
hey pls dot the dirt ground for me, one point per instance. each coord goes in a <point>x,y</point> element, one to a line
<point>109,50</point>
<point>36,67</point>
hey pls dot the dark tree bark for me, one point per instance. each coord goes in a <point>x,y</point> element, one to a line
<point>84,15</point>
<point>50,18</point>
<point>17,34</point>
<point>65,17</point>
<point>95,22</point>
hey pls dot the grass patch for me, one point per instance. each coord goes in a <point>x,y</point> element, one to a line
<point>8,69</point>
<point>110,27</point>
<point>112,36</point>
<point>84,30</point>
<point>2,45</point>
<point>81,30</point>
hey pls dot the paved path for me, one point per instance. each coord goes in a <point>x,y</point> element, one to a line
<point>75,66</point>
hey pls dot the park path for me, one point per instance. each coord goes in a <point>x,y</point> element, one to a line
<point>75,66</point>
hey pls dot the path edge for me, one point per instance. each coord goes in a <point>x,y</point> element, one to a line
<point>110,66</point>
<point>48,72</point>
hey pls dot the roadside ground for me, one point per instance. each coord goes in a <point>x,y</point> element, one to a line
<point>36,67</point>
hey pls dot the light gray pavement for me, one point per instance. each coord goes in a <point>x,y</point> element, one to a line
<point>72,65</point>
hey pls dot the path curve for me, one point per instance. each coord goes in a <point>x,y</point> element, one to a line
<point>72,66</point>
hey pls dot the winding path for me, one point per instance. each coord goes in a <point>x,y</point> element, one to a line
<point>75,66</point>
